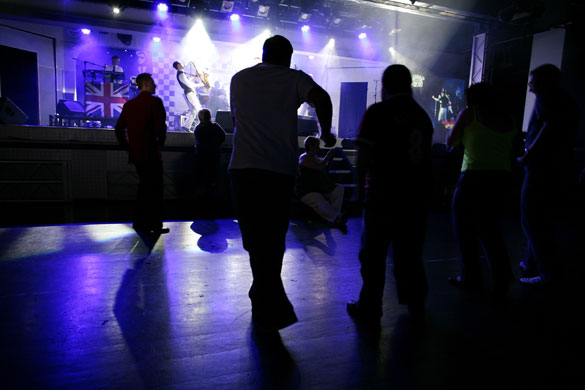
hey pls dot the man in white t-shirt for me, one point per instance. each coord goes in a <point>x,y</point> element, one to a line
<point>264,101</point>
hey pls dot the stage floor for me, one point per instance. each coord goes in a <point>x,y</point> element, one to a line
<point>85,306</point>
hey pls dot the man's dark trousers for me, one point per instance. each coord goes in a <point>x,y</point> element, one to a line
<point>262,201</point>
<point>149,202</point>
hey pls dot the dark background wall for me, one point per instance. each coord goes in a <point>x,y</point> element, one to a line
<point>20,81</point>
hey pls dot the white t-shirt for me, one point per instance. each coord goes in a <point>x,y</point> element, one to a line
<point>264,101</point>
<point>114,68</point>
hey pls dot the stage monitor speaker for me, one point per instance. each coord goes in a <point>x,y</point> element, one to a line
<point>307,126</point>
<point>70,108</point>
<point>224,119</point>
<point>10,114</point>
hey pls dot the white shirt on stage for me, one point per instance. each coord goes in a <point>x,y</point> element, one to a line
<point>264,102</point>
<point>114,68</point>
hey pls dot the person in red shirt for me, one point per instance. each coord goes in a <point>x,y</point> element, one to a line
<point>141,129</point>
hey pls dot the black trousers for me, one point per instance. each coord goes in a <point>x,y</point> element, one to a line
<point>148,213</point>
<point>402,225</point>
<point>478,203</point>
<point>263,201</point>
<point>543,194</point>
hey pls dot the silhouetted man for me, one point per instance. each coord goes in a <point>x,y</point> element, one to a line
<point>394,157</point>
<point>209,137</point>
<point>549,171</point>
<point>263,166</point>
<point>144,119</point>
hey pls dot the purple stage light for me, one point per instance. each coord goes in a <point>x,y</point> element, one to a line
<point>305,28</point>
<point>362,36</point>
<point>235,17</point>
<point>162,7</point>
<point>156,39</point>
<point>85,31</point>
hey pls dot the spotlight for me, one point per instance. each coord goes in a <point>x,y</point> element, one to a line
<point>156,39</point>
<point>305,28</point>
<point>116,10</point>
<point>311,57</point>
<point>235,17</point>
<point>263,11</point>
<point>331,42</point>
<point>336,21</point>
<point>162,10</point>
<point>362,35</point>
<point>85,31</point>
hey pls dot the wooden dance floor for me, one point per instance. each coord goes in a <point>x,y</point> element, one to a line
<point>86,306</point>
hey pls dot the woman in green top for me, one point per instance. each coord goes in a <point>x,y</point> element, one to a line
<point>487,135</point>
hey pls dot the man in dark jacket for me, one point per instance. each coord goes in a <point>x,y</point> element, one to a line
<point>141,129</point>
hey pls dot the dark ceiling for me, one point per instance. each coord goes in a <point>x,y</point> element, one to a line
<point>351,15</point>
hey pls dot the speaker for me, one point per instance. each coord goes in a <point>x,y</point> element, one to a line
<point>224,119</point>
<point>10,114</point>
<point>70,108</point>
<point>306,127</point>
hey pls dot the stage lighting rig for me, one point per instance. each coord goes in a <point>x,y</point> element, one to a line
<point>304,17</point>
<point>263,11</point>
<point>227,7</point>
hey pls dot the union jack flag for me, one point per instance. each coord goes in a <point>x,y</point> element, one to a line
<point>105,100</point>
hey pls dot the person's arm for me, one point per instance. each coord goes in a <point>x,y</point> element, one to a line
<point>220,134</point>
<point>365,153</point>
<point>120,130</point>
<point>160,126</point>
<point>315,162</point>
<point>456,134</point>
<point>232,105</point>
<point>364,159</point>
<point>320,99</point>
<point>535,144</point>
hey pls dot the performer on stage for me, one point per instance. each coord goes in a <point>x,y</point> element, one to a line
<point>116,68</point>
<point>193,103</point>
<point>445,106</point>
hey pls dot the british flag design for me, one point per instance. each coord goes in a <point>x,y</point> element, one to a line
<point>105,100</point>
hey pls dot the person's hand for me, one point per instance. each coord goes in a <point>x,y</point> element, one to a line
<point>329,139</point>
<point>522,159</point>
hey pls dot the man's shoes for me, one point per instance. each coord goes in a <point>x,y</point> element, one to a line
<point>268,324</point>
<point>359,313</point>
<point>535,281</point>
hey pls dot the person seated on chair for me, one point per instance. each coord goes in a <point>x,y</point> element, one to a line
<point>314,186</point>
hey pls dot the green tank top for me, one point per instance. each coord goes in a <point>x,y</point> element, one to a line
<point>485,149</point>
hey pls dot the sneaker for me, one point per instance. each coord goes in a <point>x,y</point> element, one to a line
<point>535,281</point>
